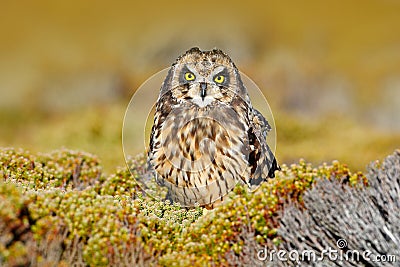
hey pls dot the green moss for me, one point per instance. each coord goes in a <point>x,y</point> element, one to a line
<point>64,169</point>
<point>13,222</point>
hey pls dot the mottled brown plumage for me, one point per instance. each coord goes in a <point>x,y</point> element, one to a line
<point>206,135</point>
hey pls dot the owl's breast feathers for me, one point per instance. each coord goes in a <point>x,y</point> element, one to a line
<point>200,154</point>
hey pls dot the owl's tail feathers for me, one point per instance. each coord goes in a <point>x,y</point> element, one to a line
<point>274,167</point>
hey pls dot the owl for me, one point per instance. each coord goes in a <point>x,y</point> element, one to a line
<point>206,135</point>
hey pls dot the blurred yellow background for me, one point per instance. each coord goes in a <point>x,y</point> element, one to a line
<point>329,69</point>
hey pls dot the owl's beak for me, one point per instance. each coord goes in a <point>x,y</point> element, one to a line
<point>203,92</point>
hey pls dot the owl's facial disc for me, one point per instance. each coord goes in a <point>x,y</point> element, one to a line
<point>203,87</point>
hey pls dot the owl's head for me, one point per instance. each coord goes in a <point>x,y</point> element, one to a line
<point>201,78</point>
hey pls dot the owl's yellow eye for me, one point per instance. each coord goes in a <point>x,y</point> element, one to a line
<point>219,78</point>
<point>189,76</point>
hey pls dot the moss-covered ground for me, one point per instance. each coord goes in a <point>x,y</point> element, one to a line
<point>59,209</point>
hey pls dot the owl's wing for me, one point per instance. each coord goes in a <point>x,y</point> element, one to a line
<point>163,108</point>
<point>261,159</point>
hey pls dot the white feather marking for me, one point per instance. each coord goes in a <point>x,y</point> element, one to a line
<point>202,103</point>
